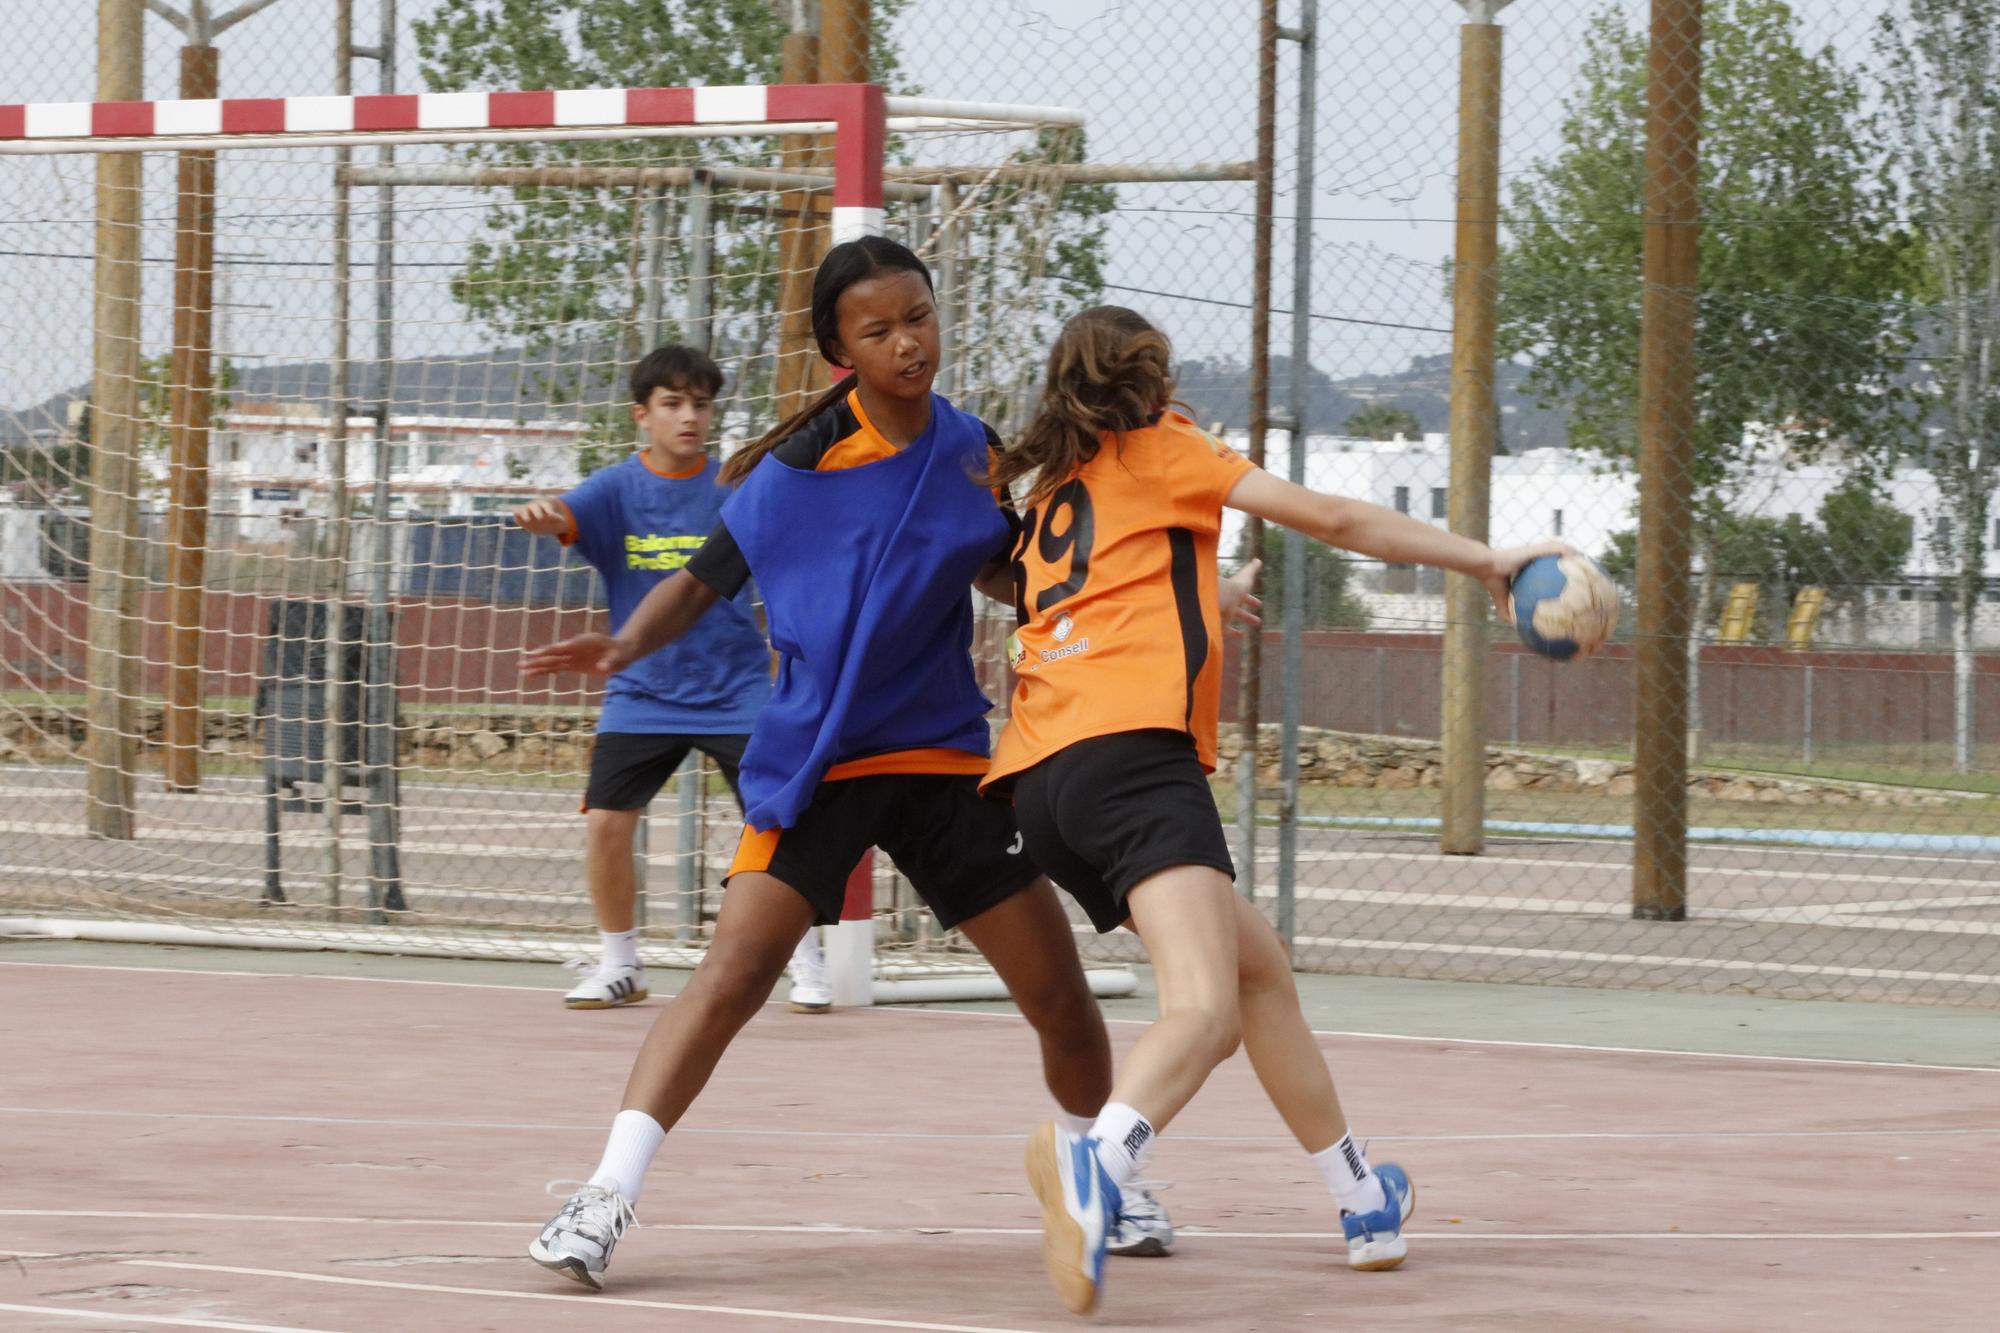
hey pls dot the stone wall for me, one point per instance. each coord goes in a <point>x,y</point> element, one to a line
<point>544,742</point>
<point>1391,763</point>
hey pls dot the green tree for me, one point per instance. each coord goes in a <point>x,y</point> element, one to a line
<point>564,267</point>
<point>1384,421</point>
<point>1800,323</point>
<point>1867,538</point>
<point>1940,62</point>
<point>1330,602</point>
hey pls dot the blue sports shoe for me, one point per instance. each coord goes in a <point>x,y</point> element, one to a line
<point>1079,1208</point>
<point>1375,1240</point>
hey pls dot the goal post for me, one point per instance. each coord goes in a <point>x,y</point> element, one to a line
<point>541,240</point>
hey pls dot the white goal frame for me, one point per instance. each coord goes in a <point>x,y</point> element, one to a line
<point>858,117</point>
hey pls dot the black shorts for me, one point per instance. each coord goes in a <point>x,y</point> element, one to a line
<point>960,852</point>
<point>628,768</point>
<point>1103,814</point>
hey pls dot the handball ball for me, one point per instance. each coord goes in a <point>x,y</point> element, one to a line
<point>1564,606</point>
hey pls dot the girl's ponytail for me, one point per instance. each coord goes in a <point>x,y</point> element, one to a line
<point>737,466</point>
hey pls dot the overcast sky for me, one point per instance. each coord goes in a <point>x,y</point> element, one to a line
<point>1168,80</point>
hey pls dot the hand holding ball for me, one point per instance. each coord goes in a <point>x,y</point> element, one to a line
<point>1564,606</point>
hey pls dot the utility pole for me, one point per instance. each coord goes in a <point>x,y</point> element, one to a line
<point>1672,220</point>
<point>191,389</point>
<point>112,676</point>
<point>798,242</point>
<point>1475,299</point>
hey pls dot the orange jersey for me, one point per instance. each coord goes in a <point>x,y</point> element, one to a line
<point>1114,579</point>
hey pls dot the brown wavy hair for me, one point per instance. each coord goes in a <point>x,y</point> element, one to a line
<point>1109,371</point>
<point>845,264</point>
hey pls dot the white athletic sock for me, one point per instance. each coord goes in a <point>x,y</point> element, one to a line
<point>621,948</point>
<point>1074,1123</point>
<point>635,1137</point>
<point>1124,1138</point>
<point>1347,1173</point>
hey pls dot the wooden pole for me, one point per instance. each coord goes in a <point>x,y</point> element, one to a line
<point>799,243</point>
<point>1666,437</point>
<point>1474,298</point>
<point>1249,684</point>
<point>113,669</point>
<point>192,380</point>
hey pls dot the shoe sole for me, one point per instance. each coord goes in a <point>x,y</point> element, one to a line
<point>633,998</point>
<point>1062,1238</point>
<point>1387,1262</point>
<point>570,1267</point>
<point>1150,1248</point>
<point>798,1008</point>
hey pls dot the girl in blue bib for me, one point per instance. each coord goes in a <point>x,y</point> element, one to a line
<point>866,525</point>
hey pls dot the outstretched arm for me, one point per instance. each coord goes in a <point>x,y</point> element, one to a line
<point>667,612</point>
<point>1382,533</point>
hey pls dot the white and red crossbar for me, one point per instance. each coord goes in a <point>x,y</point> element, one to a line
<point>856,111</point>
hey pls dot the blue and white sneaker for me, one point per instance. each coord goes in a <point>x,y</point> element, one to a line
<point>1142,1229</point>
<point>1079,1208</point>
<point>1375,1240</point>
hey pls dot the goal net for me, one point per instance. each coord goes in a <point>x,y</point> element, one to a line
<point>262,606</point>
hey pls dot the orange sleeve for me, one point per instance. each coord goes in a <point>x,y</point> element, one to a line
<point>1206,471</point>
<point>568,534</point>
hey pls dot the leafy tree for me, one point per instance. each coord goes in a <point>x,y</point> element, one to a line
<point>1384,421</point>
<point>561,267</point>
<point>1867,538</point>
<point>1799,320</point>
<point>1330,602</point>
<point>1941,83</point>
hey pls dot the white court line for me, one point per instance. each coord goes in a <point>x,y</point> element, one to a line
<point>1457,864</point>
<point>1644,960</point>
<point>849,1229</point>
<point>898,1011</point>
<point>1558,1136</point>
<point>1831,916</point>
<point>122,1317</point>
<point>599,1299</point>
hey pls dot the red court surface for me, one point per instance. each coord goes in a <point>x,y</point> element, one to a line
<point>185,1149</point>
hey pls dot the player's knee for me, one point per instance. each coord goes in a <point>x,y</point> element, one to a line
<point>732,982</point>
<point>1217,1031</point>
<point>609,832</point>
<point>1060,1006</point>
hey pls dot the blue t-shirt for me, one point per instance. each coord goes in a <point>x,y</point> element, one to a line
<point>636,527</point>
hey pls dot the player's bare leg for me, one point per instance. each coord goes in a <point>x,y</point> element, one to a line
<point>618,979</point>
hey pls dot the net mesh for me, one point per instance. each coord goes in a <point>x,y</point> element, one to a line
<point>374,549</point>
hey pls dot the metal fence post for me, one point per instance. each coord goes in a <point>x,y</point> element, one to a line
<point>1295,544</point>
<point>687,792</point>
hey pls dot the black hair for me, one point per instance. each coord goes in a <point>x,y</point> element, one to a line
<point>675,366</point>
<point>845,264</point>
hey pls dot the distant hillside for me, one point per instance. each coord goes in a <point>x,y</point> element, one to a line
<point>1221,391</point>
<point>502,383</point>
<point>511,382</point>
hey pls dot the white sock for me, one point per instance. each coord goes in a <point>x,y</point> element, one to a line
<point>1076,1124</point>
<point>635,1137</point>
<point>620,948</point>
<point>1347,1173</point>
<point>1124,1138</point>
<point>808,954</point>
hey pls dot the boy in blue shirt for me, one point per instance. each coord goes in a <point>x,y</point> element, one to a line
<point>637,522</point>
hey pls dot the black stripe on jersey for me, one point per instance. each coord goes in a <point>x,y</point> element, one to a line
<point>1186,578</point>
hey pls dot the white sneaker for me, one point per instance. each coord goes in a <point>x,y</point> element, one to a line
<point>607,988</point>
<point>811,993</point>
<point>1142,1230</point>
<point>578,1241</point>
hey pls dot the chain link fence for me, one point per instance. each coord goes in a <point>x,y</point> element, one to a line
<point>1794,495</point>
